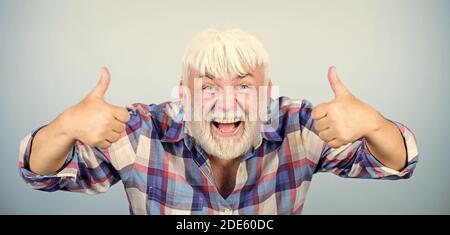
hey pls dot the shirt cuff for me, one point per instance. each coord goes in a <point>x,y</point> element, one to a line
<point>410,143</point>
<point>68,169</point>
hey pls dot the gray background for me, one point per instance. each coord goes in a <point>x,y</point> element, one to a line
<point>393,55</point>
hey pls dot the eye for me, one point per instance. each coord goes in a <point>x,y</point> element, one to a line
<point>242,87</point>
<point>209,89</point>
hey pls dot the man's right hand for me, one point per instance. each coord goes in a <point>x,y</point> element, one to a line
<point>93,121</point>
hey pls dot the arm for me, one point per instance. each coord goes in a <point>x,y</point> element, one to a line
<point>386,143</point>
<point>50,148</point>
<point>92,121</point>
<point>352,129</point>
<point>70,144</point>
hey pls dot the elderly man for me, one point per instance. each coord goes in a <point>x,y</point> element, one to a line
<point>226,147</point>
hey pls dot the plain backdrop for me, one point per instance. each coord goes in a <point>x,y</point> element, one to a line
<point>393,55</point>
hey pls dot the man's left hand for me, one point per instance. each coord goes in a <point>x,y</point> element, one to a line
<point>345,118</point>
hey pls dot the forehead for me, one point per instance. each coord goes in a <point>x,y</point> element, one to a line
<point>254,73</point>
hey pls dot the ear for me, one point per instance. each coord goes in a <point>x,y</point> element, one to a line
<point>269,91</point>
<point>264,108</point>
<point>184,93</point>
<point>180,90</point>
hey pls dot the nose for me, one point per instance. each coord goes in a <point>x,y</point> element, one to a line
<point>227,101</point>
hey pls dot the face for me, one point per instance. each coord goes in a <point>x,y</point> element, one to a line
<point>224,113</point>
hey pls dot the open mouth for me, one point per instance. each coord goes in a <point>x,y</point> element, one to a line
<point>227,128</point>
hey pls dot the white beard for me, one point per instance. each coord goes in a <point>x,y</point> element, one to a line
<point>226,148</point>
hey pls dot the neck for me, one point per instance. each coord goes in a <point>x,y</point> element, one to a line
<point>223,163</point>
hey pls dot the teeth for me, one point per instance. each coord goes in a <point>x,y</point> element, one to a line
<point>228,120</point>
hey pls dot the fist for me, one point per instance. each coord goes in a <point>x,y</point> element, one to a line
<point>93,121</point>
<point>345,118</point>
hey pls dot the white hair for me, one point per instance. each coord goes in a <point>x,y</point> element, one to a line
<point>222,51</point>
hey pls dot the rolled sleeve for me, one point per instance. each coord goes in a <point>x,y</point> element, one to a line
<point>383,171</point>
<point>86,169</point>
<point>50,182</point>
<point>354,160</point>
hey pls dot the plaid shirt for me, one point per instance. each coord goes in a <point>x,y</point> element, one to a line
<point>165,172</point>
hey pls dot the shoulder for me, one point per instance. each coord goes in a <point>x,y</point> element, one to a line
<point>287,106</point>
<point>288,115</point>
<point>156,117</point>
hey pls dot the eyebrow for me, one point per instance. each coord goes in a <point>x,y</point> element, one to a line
<point>243,76</point>
<point>207,75</point>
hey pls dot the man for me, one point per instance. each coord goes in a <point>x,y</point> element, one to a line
<point>225,148</point>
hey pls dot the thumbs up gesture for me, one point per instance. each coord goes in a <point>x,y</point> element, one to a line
<point>93,121</point>
<point>345,118</point>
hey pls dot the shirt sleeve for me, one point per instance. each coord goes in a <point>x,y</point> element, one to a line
<point>87,169</point>
<point>354,160</point>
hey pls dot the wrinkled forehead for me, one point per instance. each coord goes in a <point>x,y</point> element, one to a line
<point>254,74</point>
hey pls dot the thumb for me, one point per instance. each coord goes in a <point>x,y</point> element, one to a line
<point>102,85</point>
<point>335,82</point>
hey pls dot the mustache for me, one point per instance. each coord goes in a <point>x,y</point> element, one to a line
<point>226,116</point>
